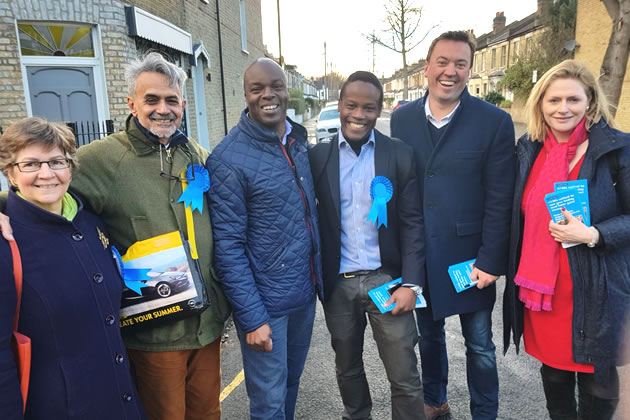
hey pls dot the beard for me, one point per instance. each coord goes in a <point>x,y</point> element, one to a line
<point>158,131</point>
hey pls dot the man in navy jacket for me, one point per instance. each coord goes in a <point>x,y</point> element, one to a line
<point>359,255</point>
<point>266,237</point>
<point>464,149</point>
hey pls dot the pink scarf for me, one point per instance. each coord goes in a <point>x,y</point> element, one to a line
<point>540,255</point>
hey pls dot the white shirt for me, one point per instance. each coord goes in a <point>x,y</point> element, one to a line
<point>438,123</point>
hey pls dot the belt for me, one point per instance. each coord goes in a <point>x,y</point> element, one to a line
<point>358,273</point>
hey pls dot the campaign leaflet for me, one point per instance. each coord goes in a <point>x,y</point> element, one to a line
<point>381,294</point>
<point>581,187</point>
<point>568,200</point>
<point>460,275</point>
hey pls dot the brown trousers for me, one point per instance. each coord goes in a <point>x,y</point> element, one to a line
<point>179,385</point>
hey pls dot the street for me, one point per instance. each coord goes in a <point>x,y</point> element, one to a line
<point>521,395</point>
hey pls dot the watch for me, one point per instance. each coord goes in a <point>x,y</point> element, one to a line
<point>415,288</point>
<point>595,239</point>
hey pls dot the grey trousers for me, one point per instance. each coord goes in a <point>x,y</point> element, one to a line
<point>395,337</point>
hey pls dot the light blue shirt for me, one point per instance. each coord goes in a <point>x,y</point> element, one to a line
<point>359,237</point>
<point>287,131</point>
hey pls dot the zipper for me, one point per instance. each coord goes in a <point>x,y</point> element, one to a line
<point>307,210</point>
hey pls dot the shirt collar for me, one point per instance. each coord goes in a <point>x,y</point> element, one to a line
<point>343,140</point>
<point>442,122</point>
<point>287,130</point>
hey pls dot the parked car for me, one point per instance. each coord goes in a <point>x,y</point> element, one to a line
<point>328,124</point>
<point>399,104</point>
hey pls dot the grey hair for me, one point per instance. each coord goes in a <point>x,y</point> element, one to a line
<point>155,62</point>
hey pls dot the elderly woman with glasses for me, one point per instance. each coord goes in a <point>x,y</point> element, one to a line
<point>71,288</point>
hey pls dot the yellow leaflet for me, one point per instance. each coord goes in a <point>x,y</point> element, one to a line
<point>153,245</point>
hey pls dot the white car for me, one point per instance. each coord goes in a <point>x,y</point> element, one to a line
<point>328,124</point>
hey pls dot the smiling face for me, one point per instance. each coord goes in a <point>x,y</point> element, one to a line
<point>266,94</point>
<point>563,106</point>
<point>447,71</point>
<point>158,106</point>
<point>45,187</point>
<point>359,108</point>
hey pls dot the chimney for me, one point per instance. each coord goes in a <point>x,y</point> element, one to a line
<point>543,7</point>
<point>471,34</point>
<point>498,23</point>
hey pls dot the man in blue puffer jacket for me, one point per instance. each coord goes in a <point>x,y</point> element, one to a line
<point>267,253</point>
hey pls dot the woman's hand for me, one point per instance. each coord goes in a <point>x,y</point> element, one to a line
<point>5,227</point>
<point>574,231</point>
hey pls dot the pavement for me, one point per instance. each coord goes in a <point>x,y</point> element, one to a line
<point>520,389</point>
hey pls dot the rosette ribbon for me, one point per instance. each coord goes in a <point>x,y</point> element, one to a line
<point>381,191</point>
<point>132,277</point>
<point>193,194</point>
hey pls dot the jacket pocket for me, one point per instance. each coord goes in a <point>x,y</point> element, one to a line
<point>141,227</point>
<point>468,154</point>
<point>468,228</point>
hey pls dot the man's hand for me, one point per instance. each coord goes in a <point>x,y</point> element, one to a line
<point>571,232</point>
<point>405,300</point>
<point>5,227</point>
<point>482,278</point>
<point>260,338</point>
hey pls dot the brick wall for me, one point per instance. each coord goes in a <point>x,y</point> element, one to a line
<point>592,31</point>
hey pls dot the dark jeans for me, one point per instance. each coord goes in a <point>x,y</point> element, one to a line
<point>481,363</point>
<point>272,379</point>
<point>395,338</point>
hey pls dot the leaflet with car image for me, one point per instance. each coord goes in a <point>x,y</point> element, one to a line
<point>162,282</point>
<point>381,294</point>
<point>460,275</point>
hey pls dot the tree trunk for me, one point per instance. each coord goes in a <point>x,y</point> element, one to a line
<point>615,61</point>
<point>405,77</point>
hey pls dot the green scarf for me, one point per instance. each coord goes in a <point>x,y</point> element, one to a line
<point>69,206</point>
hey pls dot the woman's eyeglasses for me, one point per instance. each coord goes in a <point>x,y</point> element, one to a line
<point>34,165</point>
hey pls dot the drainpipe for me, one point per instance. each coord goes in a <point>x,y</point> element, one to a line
<point>225,126</point>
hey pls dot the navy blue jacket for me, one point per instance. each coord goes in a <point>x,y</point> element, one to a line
<point>465,184</point>
<point>401,243</point>
<point>601,276</point>
<point>264,222</point>
<point>70,302</point>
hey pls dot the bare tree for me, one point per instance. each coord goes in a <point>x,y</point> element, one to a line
<point>613,69</point>
<point>403,19</point>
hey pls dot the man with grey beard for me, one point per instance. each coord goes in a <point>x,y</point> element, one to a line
<point>133,180</point>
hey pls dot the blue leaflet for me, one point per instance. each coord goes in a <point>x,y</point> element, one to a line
<point>581,187</point>
<point>460,275</point>
<point>381,191</point>
<point>193,194</point>
<point>381,294</point>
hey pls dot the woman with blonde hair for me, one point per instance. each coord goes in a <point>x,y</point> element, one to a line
<point>71,288</point>
<point>569,304</point>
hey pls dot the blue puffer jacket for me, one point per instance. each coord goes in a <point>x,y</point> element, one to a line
<point>264,222</point>
<point>601,275</point>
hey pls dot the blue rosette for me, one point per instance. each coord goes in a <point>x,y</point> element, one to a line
<point>193,194</point>
<point>381,191</point>
<point>132,277</point>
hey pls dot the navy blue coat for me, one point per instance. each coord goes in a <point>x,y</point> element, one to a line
<point>264,222</point>
<point>601,276</point>
<point>70,302</point>
<point>401,243</point>
<point>465,184</point>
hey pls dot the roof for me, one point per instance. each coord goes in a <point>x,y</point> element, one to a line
<point>513,30</point>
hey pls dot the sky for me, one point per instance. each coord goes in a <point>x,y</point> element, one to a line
<point>307,24</point>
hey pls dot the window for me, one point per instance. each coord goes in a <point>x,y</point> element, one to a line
<point>483,61</point>
<point>493,59</point>
<point>528,45</point>
<point>503,55</point>
<point>515,55</point>
<point>55,40</point>
<point>476,63</point>
<point>485,89</point>
<point>243,10</point>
